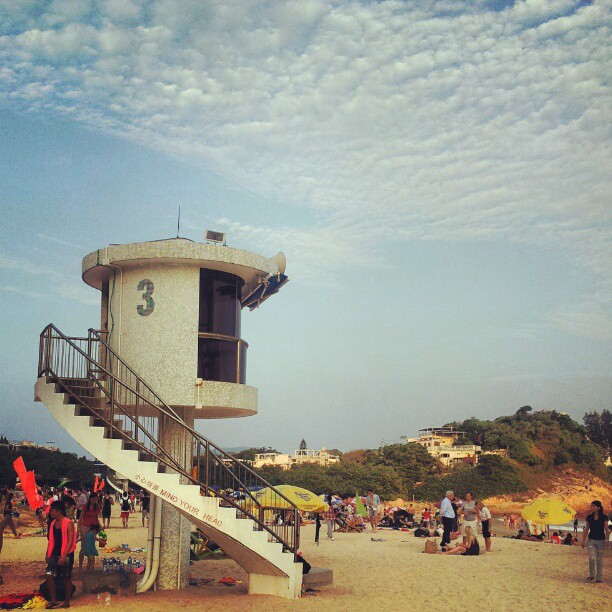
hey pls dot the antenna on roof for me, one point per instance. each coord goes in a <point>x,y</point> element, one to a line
<point>178,224</point>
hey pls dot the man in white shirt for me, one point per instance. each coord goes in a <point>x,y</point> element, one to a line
<point>81,502</point>
<point>484,514</point>
<point>447,514</point>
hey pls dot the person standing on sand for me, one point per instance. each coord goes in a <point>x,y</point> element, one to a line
<point>60,554</point>
<point>145,504</point>
<point>595,537</point>
<point>447,514</point>
<point>484,514</point>
<point>125,510</point>
<point>470,517</point>
<point>107,502</point>
<point>90,515</point>
<point>372,503</point>
<point>330,517</point>
<point>81,502</point>
<point>7,518</point>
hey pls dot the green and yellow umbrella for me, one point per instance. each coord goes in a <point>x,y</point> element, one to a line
<point>548,510</point>
<point>302,498</point>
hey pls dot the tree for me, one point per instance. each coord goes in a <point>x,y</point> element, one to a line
<point>411,461</point>
<point>248,454</point>
<point>521,412</point>
<point>599,429</point>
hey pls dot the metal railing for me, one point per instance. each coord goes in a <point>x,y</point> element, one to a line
<point>106,387</point>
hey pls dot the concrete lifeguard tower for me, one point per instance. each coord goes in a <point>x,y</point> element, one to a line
<point>169,351</point>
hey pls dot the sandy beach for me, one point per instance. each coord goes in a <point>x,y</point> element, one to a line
<point>393,574</point>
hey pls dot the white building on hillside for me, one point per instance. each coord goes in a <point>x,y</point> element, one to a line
<point>299,457</point>
<point>439,442</point>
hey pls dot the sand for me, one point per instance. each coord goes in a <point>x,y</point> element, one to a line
<point>393,574</point>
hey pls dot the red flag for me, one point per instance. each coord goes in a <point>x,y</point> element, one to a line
<point>101,485</point>
<point>95,487</point>
<point>28,483</point>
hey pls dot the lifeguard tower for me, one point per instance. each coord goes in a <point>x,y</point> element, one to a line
<point>169,351</point>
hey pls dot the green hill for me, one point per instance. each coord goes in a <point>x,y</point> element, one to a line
<point>50,467</point>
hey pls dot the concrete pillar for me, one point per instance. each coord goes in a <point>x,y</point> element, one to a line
<point>175,528</point>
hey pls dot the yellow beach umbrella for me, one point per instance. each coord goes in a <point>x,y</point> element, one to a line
<point>302,498</point>
<point>546,510</point>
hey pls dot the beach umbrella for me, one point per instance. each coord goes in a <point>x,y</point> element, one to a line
<point>547,510</point>
<point>302,498</point>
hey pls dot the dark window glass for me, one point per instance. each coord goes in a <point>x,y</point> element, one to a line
<point>220,303</point>
<point>217,360</point>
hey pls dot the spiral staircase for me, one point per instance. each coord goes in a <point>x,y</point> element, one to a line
<point>112,413</point>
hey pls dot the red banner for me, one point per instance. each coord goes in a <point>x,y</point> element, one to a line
<point>28,483</point>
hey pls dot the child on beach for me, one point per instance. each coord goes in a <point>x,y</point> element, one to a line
<point>89,546</point>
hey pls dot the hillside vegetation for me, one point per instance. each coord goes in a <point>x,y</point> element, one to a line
<point>50,467</point>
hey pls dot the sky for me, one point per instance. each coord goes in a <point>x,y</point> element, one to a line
<point>436,172</point>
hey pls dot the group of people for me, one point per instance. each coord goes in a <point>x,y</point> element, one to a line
<point>67,517</point>
<point>471,512</point>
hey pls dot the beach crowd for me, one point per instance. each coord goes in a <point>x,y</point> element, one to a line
<point>458,522</point>
<point>69,518</point>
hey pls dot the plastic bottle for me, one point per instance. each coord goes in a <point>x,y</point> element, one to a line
<point>129,564</point>
<point>104,568</point>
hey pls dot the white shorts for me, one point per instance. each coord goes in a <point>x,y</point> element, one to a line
<point>472,524</point>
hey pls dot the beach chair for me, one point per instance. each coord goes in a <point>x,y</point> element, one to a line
<point>202,547</point>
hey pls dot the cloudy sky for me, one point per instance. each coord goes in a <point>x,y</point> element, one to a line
<point>437,173</point>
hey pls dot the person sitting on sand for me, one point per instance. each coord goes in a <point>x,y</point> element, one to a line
<point>471,548</point>
<point>528,538</point>
<point>570,540</point>
<point>421,531</point>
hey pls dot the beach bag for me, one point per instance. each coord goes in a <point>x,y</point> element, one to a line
<point>60,590</point>
<point>431,548</point>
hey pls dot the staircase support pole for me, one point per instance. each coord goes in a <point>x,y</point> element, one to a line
<point>175,528</point>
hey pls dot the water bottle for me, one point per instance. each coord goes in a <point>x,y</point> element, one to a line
<point>129,565</point>
<point>104,568</point>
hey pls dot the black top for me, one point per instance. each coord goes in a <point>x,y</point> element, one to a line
<point>8,508</point>
<point>106,505</point>
<point>146,502</point>
<point>596,527</point>
<point>57,542</point>
<point>473,550</point>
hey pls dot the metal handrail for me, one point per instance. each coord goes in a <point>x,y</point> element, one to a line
<point>130,402</point>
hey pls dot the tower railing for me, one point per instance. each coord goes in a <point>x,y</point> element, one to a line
<point>102,384</point>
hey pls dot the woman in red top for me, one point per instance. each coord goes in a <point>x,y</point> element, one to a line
<point>90,515</point>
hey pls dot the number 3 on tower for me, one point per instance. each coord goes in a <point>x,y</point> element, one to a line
<point>146,285</point>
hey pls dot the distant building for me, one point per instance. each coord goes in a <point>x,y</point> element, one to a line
<point>15,445</point>
<point>303,455</point>
<point>439,442</point>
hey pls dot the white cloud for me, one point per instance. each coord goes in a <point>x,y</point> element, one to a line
<point>390,121</point>
<point>22,265</point>
<point>13,289</point>
<point>78,293</point>
<point>71,245</point>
